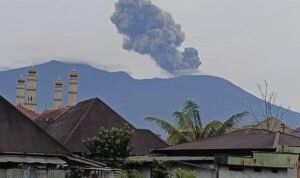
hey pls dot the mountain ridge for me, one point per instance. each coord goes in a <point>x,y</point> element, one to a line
<point>136,99</point>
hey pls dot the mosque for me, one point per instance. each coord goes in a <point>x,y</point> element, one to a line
<point>75,122</point>
<point>26,92</point>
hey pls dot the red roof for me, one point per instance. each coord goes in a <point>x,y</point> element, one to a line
<point>30,114</point>
<point>48,117</point>
<point>51,114</point>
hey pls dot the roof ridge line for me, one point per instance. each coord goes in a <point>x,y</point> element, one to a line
<point>155,135</point>
<point>56,119</point>
<point>34,124</point>
<point>28,110</point>
<point>113,110</point>
<point>78,123</point>
<point>220,136</point>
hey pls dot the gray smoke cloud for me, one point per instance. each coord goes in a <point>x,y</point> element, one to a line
<point>149,30</point>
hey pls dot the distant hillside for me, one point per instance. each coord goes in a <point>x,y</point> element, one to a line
<point>136,99</point>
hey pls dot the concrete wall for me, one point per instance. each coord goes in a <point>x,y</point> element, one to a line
<point>225,172</point>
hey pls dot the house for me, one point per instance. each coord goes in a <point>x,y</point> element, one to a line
<point>241,142</point>
<point>84,121</point>
<point>275,125</point>
<point>29,113</point>
<point>26,150</point>
<point>296,132</point>
<point>246,153</point>
<point>48,117</point>
<point>71,125</point>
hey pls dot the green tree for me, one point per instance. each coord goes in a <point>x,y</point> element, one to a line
<point>159,169</point>
<point>189,125</point>
<point>110,146</point>
<point>180,173</point>
<point>130,174</point>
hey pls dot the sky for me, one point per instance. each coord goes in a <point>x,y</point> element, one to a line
<point>242,41</point>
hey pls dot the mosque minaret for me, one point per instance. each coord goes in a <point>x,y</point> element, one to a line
<point>27,90</point>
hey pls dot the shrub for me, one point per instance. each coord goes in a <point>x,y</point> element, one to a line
<point>130,174</point>
<point>180,173</point>
<point>159,169</point>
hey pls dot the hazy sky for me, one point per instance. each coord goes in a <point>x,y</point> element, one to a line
<point>244,41</point>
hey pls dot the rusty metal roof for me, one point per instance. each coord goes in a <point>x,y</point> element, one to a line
<point>47,118</point>
<point>30,159</point>
<point>144,141</point>
<point>50,114</point>
<point>84,121</point>
<point>20,134</point>
<point>30,114</point>
<point>240,141</point>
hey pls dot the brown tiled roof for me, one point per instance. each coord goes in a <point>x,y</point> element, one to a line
<point>84,121</point>
<point>144,141</point>
<point>19,134</point>
<point>30,114</point>
<point>240,141</point>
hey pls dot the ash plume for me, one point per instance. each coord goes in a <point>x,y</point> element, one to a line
<point>151,31</point>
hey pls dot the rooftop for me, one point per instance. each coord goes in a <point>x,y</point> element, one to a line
<point>19,134</point>
<point>242,141</point>
<point>84,121</point>
<point>30,114</point>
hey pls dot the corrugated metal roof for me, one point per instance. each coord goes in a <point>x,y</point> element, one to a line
<point>171,158</point>
<point>243,140</point>
<point>19,134</point>
<point>30,159</point>
<point>32,173</point>
<point>85,161</point>
<point>144,141</point>
<point>84,121</point>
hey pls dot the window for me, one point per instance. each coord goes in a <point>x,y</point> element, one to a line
<point>274,170</point>
<point>235,168</point>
